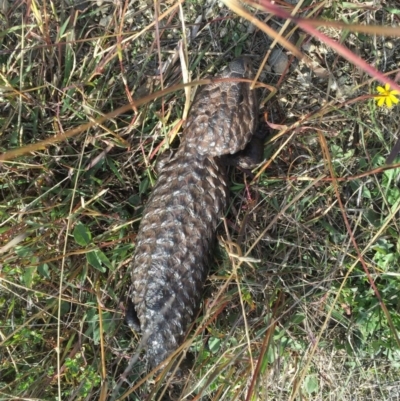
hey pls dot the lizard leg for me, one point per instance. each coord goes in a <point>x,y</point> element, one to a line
<point>252,154</point>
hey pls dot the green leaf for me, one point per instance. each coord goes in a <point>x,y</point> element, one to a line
<point>94,260</point>
<point>373,217</point>
<point>103,259</point>
<point>347,4</point>
<point>65,308</point>
<point>134,200</point>
<point>43,270</point>
<point>82,234</point>
<point>392,10</point>
<point>311,384</point>
<point>144,184</point>
<point>63,28</point>
<point>271,355</point>
<point>28,276</point>
<point>115,170</point>
<point>264,363</point>
<point>297,319</point>
<point>214,344</point>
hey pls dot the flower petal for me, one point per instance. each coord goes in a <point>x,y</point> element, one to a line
<point>389,102</point>
<point>393,99</point>
<point>387,87</point>
<point>380,89</point>
<point>395,92</point>
<point>381,100</point>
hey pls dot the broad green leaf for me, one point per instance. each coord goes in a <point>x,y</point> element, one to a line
<point>103,259</point>
<point>29,272</point>
<point>82,234</point>
<point>310,384</point>
<point>214,344</point>
<point>94,260</point>
<point>43,270</point>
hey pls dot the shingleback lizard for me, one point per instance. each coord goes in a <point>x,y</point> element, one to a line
<point>177,231</point>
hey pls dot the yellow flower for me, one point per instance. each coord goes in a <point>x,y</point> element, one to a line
<point>386,96</point>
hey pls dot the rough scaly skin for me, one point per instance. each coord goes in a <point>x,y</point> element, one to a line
<point>178,227</point>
